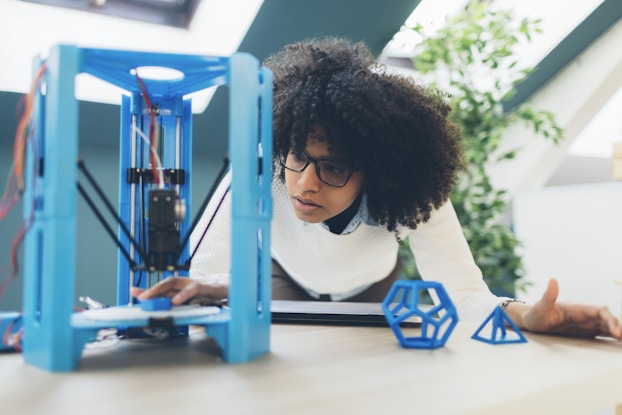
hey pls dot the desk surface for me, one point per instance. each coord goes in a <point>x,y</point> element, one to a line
<point>325,369</point>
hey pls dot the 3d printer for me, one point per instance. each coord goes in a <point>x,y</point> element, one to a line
<point>155,174</point>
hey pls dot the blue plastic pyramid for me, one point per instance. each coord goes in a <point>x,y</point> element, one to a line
<point>499,333</point>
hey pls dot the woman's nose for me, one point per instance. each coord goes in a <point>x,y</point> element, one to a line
<point>309,179</point>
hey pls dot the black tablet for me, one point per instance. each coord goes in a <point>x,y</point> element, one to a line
<point>332,312</point>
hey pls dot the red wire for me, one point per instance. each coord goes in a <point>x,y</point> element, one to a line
<point>16,181</point>
<point>10,196</point>
<point>153,138</point>
<point>15,184</point>
<point>17,241</point>
<point>22,128</point>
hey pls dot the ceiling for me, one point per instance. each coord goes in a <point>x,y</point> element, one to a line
<point>262,27</point>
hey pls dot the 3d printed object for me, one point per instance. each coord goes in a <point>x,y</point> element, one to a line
<point>437,322</point>
<point>54,333</point>
<point>499,334</point>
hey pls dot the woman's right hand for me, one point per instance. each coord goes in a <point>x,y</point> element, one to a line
<point>183,290</point>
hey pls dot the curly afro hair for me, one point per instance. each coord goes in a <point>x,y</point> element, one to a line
<point>392,128</point>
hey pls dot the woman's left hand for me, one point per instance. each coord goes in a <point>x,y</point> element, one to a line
<point>183,290</point>
<point>579,320</point>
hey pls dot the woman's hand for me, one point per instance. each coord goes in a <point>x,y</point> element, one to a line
<point>184,290</point>
<point>549,316</point>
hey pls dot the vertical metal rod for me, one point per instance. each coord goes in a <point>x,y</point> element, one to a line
<point>177,159</point>
<point>132,201</point>
<point>178,146</point>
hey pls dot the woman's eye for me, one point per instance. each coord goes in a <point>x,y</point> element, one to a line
<point>297,156</point>
<point>333,168</point>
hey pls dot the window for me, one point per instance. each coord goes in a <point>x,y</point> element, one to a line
<point>175,13</point>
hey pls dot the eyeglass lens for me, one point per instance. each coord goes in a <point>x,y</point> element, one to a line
<point>329,172</point>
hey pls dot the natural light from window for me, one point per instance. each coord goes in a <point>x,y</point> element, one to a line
<point>606,127</point>
<point>217,29</point>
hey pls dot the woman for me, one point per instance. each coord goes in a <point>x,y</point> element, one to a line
<point>364,159</point>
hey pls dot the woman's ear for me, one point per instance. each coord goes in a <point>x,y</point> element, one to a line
<point>277,169</point>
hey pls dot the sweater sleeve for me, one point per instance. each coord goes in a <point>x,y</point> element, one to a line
<point>442,254</point>
<point>212,236</point>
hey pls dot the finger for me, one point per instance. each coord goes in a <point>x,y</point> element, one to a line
<point>552,290</point>
<point>613,324</point>
<point>165,288</point>
<point>185,294</point>
<point>196,290</point>
<point>551,293</point>
<point>615,329</point>
<point>135,291</point>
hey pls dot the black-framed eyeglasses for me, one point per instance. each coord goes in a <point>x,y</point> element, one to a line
<point>328,171</point>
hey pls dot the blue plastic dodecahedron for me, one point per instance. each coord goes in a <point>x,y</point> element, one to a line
<point>437,322</point>
<point>498,320</point>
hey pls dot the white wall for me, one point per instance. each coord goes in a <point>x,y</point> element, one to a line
<point>576,95</point>
<point>574,234</point>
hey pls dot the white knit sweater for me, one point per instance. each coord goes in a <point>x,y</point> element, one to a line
<point>327,263</point>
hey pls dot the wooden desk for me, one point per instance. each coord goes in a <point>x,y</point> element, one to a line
<point>325,370</point>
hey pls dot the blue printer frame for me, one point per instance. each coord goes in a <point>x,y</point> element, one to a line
<point>54,334</point>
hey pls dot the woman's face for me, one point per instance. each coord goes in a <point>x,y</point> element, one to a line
<point>313,200</point>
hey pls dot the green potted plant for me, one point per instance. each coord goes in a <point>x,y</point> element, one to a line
<point>473,58</point>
